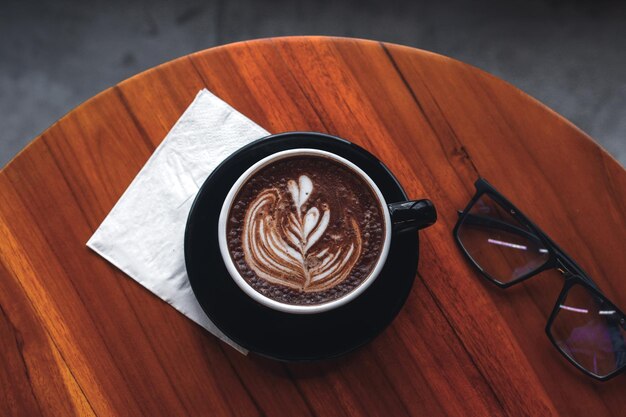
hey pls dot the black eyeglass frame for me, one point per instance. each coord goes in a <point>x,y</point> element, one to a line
<point>557,259</point>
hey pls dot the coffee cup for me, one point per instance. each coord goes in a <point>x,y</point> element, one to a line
<point>305,231</point>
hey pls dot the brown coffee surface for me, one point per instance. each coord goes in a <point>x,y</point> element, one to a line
<point>305,230</point>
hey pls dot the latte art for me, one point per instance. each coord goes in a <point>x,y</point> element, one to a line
<point>282,245</point>
<point>305,230</point>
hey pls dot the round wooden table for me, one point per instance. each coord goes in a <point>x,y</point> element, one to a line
<point>78,337</point>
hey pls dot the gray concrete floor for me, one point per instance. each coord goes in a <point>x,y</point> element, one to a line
<point>56,54</point>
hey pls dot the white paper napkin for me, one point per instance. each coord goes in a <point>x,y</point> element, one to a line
<point>143,234</point>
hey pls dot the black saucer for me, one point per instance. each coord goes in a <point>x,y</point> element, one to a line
<point>271,333</point>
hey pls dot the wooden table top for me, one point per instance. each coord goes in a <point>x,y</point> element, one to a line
<point>77,337</point>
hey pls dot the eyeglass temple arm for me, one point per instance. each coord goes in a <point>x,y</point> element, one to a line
<point>485,221</point>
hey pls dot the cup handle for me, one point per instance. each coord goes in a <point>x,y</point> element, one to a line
<point>412,215</point>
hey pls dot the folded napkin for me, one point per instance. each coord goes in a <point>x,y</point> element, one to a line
<point>143,234</point>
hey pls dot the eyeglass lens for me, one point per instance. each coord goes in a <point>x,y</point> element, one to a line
<point>588,329</point>
<point>498,243</point>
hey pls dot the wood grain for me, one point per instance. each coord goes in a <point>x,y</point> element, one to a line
<point>80,338</point>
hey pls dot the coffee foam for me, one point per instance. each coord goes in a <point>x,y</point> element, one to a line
<point>282,239</point>
<point>305,230</point>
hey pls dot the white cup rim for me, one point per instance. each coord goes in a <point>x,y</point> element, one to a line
<point>291,308</point>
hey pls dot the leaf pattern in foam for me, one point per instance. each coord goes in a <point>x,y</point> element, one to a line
<point>281,251</point>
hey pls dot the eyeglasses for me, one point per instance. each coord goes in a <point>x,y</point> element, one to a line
<point>507,248</point>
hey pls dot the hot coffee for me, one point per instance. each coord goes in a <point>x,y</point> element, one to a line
<point>305,230</point>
